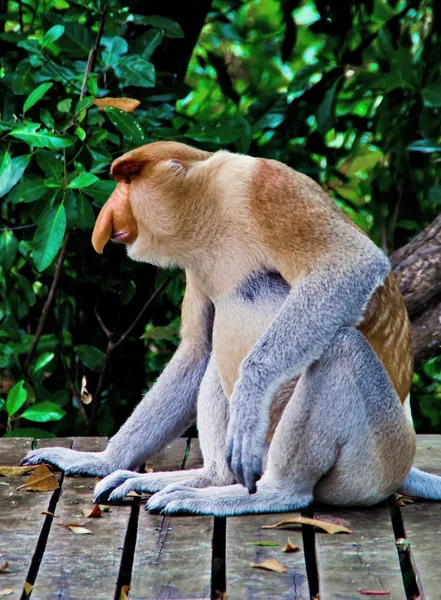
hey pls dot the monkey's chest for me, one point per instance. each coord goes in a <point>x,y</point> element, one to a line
<point>241,320</point>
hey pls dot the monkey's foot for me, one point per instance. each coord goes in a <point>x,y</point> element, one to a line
<point>113,488</point>
<point>71,462</point>
<point>226,501</point>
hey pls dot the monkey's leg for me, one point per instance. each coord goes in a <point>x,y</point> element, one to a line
<point>343,439</point>
<point>164,413</point>
<point>212,418</point>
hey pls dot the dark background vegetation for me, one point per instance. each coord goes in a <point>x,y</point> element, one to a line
<point>348,92</point>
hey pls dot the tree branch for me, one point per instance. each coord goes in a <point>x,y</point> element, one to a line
<point>46,307</point>
<point>93,53</point>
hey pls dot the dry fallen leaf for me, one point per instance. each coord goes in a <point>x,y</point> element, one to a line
<point>41,480</point>
<point>86,397</point>
<point>133,495</point>
<point>373,592</point>
<point>51,514</point>
<point>93,513</point>
<point>125,104</point>
<point>3,565</point>
<point>401,500</point>
<point>290,547</point>
<point>325,525</point>
<point>75,528</point>
<point>28,587</point>
<point>124,595</point>
<point>269,565</point>
<point>6,592</point>
<point>16,471</point>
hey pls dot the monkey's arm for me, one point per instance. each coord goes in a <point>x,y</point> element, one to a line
<point>327,297</point>
<point>166,410</point>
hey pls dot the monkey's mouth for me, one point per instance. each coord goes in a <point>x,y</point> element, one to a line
<point>120,236</point>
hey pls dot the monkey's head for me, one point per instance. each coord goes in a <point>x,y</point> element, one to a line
<point>161,204</point>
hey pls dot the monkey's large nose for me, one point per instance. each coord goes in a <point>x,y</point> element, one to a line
<point>103,229</point>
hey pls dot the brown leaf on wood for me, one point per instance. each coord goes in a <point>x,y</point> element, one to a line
<point>124,595</point>
<point>325,525</point>
<point>28,587</point>
<point>16,471</point>
<point>6,592</point>
<point>41,480</point>
<point>93,513</point>
<point>3,565</point>
<point>374,592</point>
<point>75,528</point>
<point>133,494</point>
<point>86,397</point>
<point>290,547</point>
<point>50,514</point>
<point>269,565</point>
<point>401,500</point>
<point>125,104</point>
<point>104,508</point>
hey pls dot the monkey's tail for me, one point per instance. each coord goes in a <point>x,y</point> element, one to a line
<point>421,485</point>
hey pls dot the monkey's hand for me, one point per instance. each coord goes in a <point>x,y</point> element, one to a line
<point>72,462</point>
<point>245,438</point>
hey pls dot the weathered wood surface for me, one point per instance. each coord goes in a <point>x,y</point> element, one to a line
<point>422,523</point>
<point>21,520</point>
<point>367,559</point>
<point>173,555</point>
<point>177,557</point>
<point>249,583</point>
<point>82,566</point>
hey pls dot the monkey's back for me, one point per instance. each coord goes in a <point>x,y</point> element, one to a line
<point>387,328</point>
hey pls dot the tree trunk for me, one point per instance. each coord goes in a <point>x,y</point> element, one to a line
<point>417,267</point>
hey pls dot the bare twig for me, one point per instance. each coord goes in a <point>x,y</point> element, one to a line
<point>20,15</point>
<point>75,394</point>
<point>93,53</point>
<point>111,345</point>
<point>46,307</point>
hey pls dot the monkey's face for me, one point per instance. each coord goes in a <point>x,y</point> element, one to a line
<point>154,207</point>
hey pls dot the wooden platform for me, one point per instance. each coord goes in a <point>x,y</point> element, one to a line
<point>189,557</point>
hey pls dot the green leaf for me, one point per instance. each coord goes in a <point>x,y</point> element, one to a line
<point>223,131</point>
<point>42,361</point>
<point>91,357</point>
<point>152,40</point>
<point>162,332</point>
<point>46,118</point>
<point>432,95</point>
<point>135,70</point>
<point>325,112</point>
<point>115,48</point>
<point>5,172</point>
<point>101,191</point>
<point>16,398</point>
<point>48,162</point>
<point>171,28</point>
<point>85,215</point>
<point>65,106</point>
<point>8,249</point>
<point>49,236</point>
<point>80,133</point>
<point>425,146</point>
<point>28,191</point>
<point>42,139</point>
<point>18,166</point>
<point>83,180</point>
<point>77,39</point>
<point>126,123</point>
<point>52,35</point>
<point>83,103</point>
<point>32,432</point>
<point>45,411</point>
<point>432,368</point>
<point>36,95</point>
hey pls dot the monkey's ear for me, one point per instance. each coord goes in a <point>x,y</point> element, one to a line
<point>126,168</point>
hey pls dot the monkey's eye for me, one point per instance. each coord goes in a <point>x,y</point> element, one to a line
<point>177,167</point>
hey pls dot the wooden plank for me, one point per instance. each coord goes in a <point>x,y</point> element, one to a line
<point>248,583</point>
<point>82,566</point>
<point>173,554</point>
<point>422,523</point>
<point>21,520</point>
<point>366,559</point>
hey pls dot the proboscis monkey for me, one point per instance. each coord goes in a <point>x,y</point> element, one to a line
<point>296,346</point>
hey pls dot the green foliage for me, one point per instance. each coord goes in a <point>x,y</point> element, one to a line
<point>346,92</point>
